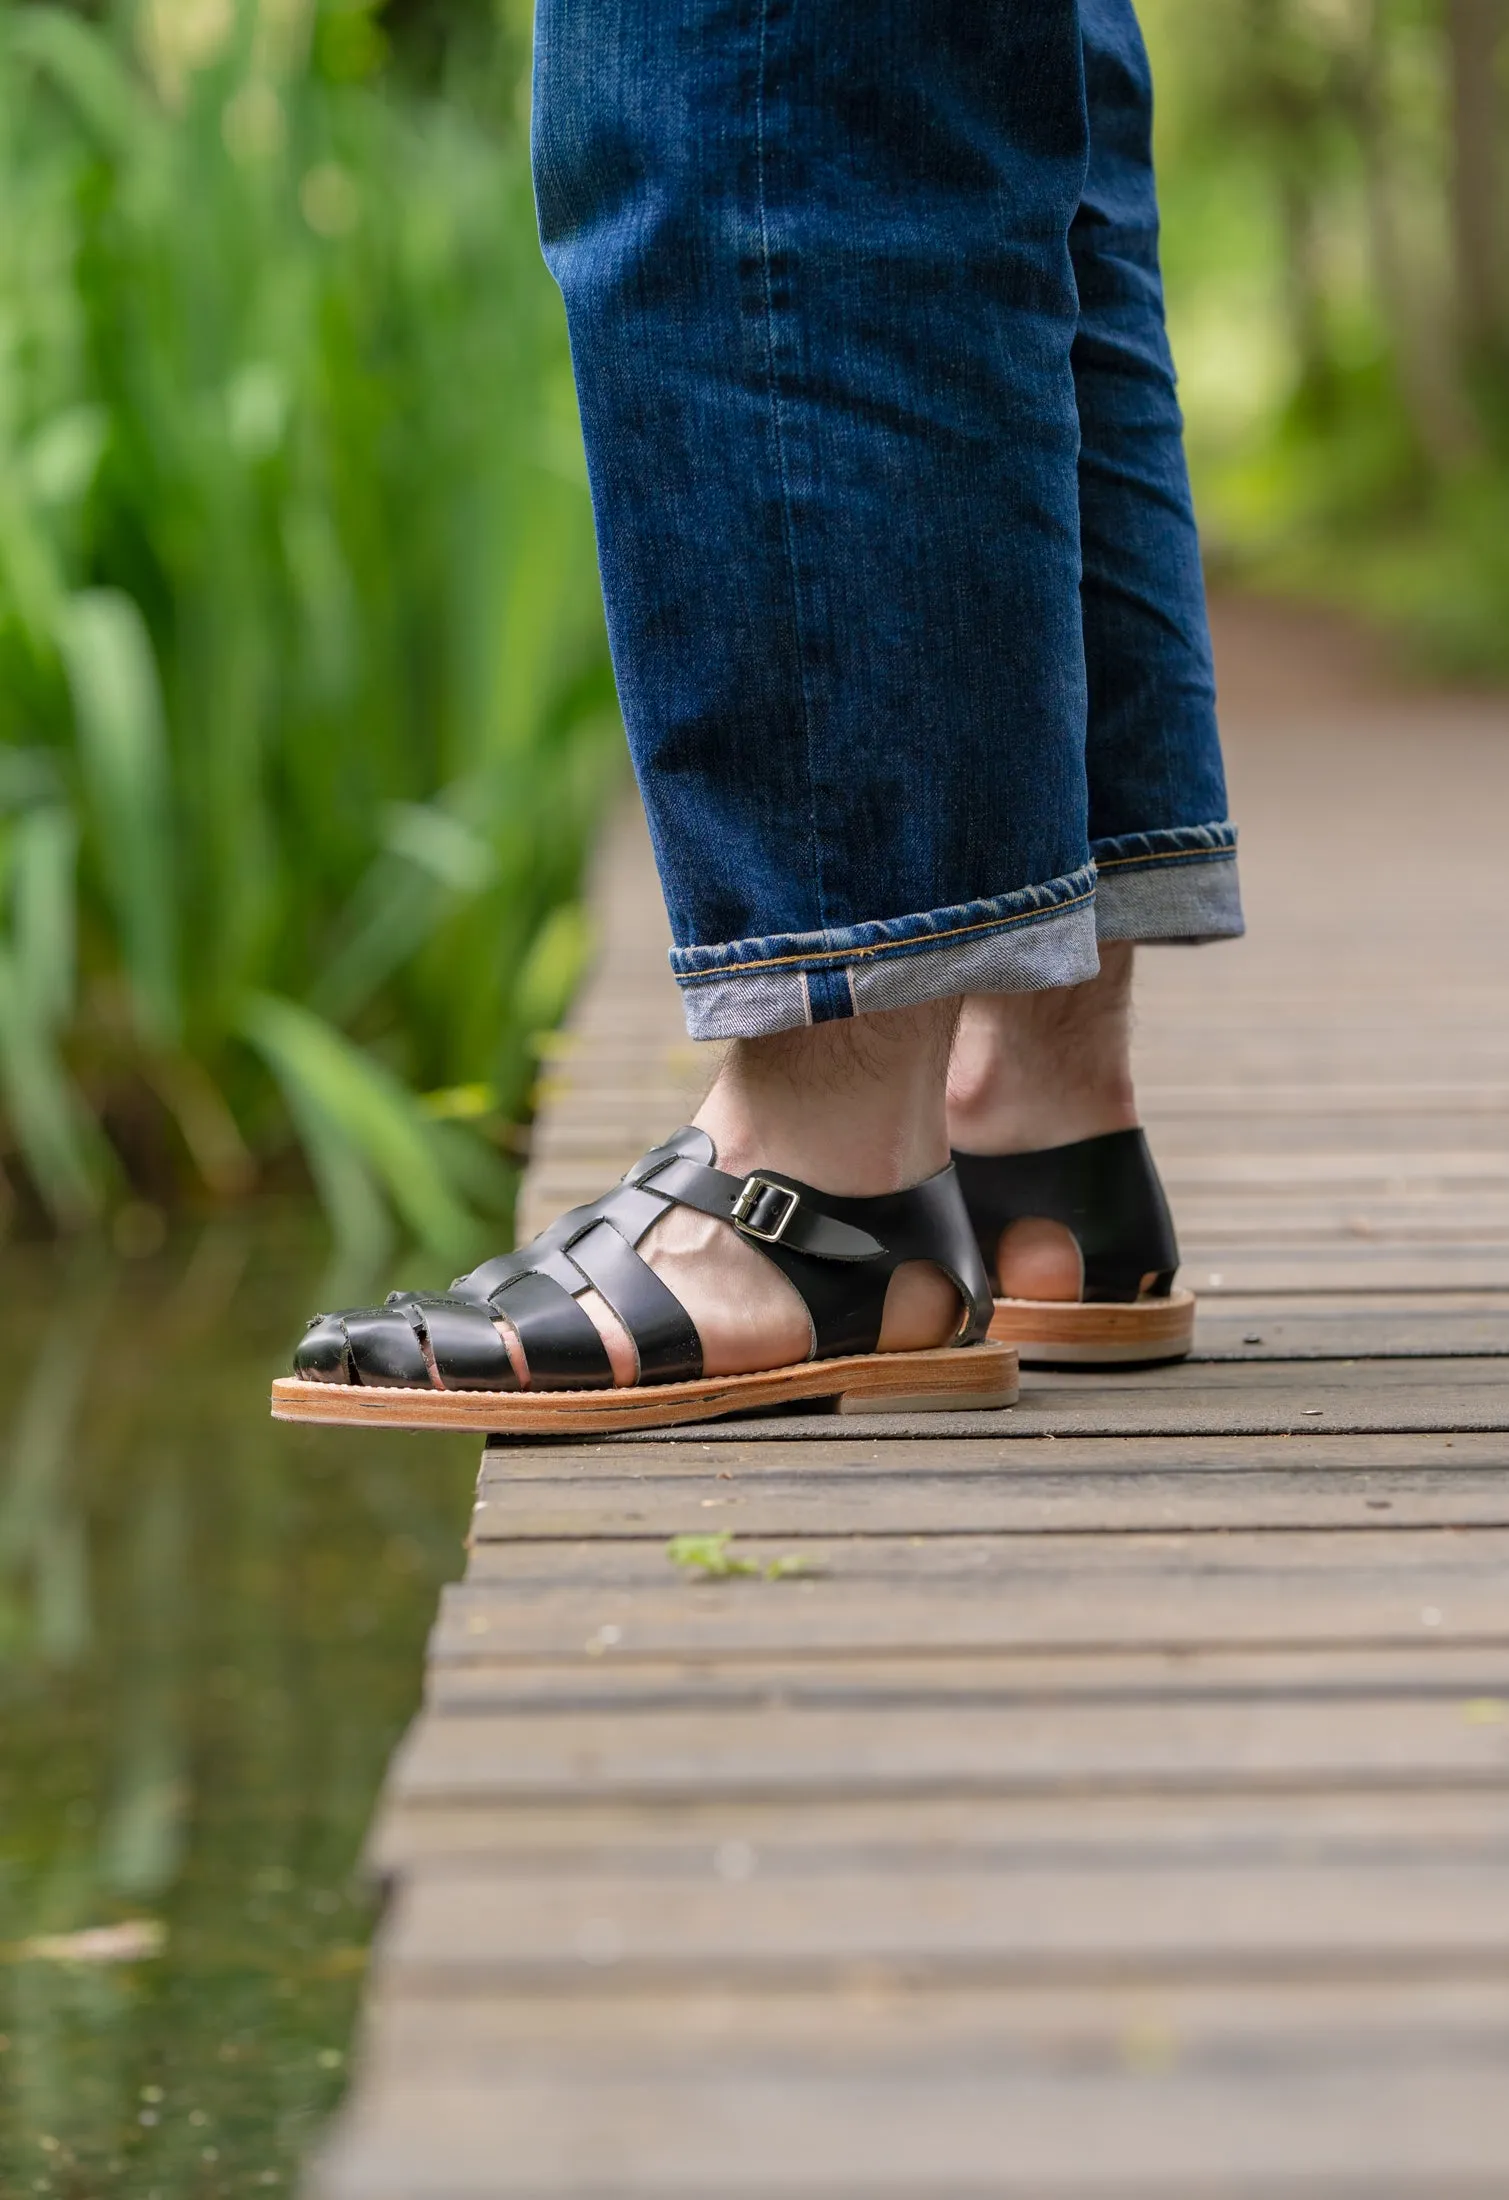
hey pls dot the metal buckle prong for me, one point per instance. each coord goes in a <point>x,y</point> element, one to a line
<point>750,1193</point>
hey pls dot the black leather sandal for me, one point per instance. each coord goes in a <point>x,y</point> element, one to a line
<point>439,1362</point>
<point>1107,1192</point>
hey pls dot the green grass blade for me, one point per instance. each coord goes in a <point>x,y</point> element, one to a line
<point>44,846</point>
<point>56,1136</point>
<point>359,1217</point>
<point>372,1111</point>
<point>83,67</point>
<point>557,959</point>
<point>123,751</point>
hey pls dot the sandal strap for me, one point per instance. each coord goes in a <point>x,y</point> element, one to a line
<point>1105,1191</point>
<point>466,1348</point>
<point>383,1353</point>
<point>562,1348</point>
<point>839,1254</point>
<point>765,1206</point>
<point>664,1334</point>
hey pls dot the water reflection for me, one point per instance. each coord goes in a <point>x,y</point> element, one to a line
<point>211,1632</point>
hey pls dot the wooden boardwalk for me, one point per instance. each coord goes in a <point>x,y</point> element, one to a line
<point>1119,1804</point>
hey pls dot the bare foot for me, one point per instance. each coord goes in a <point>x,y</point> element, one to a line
<point>855,1108</point>
<point>1031,1070</point>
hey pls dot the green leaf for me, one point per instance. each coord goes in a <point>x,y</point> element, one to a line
<point>62,458</point>
<point>367,1108</point>
<point>44,844</point>
<point>712,1557</point>
<point>436,842</point>
<point>31,586</point>
<point>27,777</point>
<point>708,1555</point>
<point>80,62</point>
<point>57,1138</point>
<point>552,970</point>
<point>359,1216</point>
<point>123,749</point>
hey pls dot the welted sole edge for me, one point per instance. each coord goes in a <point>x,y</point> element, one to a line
<point>1070,1333</point>
<point>954,1379</point>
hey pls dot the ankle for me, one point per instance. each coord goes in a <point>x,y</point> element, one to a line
<point>1012,1120</point>
<point>1031,1070</point>
<point>854,1107</point>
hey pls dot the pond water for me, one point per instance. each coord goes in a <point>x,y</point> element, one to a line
<point>211,1635</point>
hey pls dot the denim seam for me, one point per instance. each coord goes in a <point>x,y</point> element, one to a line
<point>839,957</point>
<point>1168,855</point>
<point>772,379</point>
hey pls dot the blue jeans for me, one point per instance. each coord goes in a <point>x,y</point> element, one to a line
<point>902,579</point>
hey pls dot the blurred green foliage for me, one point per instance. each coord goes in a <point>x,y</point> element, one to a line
<point>1336,239</point>
<point>304,704</point>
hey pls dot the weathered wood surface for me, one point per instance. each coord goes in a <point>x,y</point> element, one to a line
<point>1115,1802</point>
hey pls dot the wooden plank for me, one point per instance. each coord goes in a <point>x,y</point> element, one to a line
<point>1396,1325</point>
<point>1321,2128</point>
<point>1354,1557</point>
<point>1433,1101</point>
<point>900,1503</point>
<point>464,1926</point>
<point>1164,1745</point>
<point>861,2025</point>
<point>1428,1458</point>
<point>1179,1597</point>
<point>1484,1169</point>
<point>1214,1266</point>
<point>674,1835</point>
<point>1195,1398</point>
<point>1474,1674</point>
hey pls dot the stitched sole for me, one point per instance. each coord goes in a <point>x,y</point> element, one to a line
<point>946,1379</point>
<point>1067,1333</point>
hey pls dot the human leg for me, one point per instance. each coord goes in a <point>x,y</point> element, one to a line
<point>816,270</point>
<point>815,262</point>
<point>1053,1070</point>
<point>1039,1070</point>
<point>856,1106</point>
<point>1164,848</point>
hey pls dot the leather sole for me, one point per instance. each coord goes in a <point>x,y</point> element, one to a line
<point>1070,1333</point>
<point>947,1378</point>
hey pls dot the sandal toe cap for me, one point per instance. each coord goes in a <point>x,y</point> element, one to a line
<point>323,1353</point>
<point>375,1346</point>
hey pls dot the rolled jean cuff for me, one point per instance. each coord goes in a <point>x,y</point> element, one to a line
<point>1015,943</point>
<point>1177,885</point>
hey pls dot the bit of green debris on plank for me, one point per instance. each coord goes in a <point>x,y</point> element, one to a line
<point>711,1557</point>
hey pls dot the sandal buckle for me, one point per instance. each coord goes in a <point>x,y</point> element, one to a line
<point>751,1193</point>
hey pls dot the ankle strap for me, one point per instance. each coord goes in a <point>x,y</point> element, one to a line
<point>765,1206</point>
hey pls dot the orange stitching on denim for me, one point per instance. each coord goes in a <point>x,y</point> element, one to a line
<point>1168,855</point>
<point>847,955</point>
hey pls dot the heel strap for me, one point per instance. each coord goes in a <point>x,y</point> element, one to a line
<point>1106,1191</point>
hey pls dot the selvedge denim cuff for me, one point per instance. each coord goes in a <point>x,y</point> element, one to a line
<point>1178,885</point>
<point>1014,943</point>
